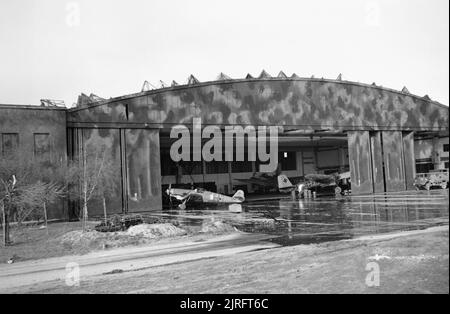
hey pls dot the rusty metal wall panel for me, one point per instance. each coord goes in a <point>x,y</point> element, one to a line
<point>292,103</point>
<point>109,140</point>
<point>410,163</point>
<point>143,169</point>
<point>377,162</point>
<point>360,162</point>
<point>393,161</point>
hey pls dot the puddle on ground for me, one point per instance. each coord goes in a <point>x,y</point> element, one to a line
<point>326,219</point>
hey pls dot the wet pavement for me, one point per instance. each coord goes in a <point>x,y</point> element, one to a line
<point>327,218</point>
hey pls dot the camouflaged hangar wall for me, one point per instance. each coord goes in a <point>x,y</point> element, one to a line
<point>27,123</point>
<point>135,157</point>
<point>380,124</point>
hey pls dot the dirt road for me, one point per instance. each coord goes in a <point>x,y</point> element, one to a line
<point>408,262</point>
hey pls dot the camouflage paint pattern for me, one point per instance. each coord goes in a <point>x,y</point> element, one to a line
<point>409,159</point>
<point>143,168</point>
<point>135,157</point>
<point>394,161</point>
<point>26,121</point>
<point>109,139</point>
<point>360,162</point>
<point>377,162</point>
<point>292,103</point>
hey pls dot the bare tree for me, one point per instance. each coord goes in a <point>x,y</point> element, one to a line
<point>26,185</point>
<point>94,174</point>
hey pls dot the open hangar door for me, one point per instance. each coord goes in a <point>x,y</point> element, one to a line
<point>189,174</point>
<point>376,161</point>
<point>313,153</point>
<point>299,154</point>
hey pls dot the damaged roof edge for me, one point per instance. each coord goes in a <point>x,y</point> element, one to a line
<point>33,107</point>
<point>231,81</point>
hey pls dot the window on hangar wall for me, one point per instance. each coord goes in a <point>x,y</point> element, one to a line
<point>10,142</point>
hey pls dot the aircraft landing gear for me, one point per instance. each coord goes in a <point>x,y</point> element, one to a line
<point>182,206</point>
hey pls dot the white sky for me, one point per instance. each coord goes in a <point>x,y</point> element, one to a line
<point>48,50</point>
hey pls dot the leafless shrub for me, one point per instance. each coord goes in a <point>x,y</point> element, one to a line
<point>26,185</point>
<point>92,175</point>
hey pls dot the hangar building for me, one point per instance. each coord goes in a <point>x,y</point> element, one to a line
<point>382,136</point>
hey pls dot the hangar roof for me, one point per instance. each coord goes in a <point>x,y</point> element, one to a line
<point>290,102</point>
<point>264,76</point>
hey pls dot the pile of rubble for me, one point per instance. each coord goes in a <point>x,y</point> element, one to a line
<point>125,230</point>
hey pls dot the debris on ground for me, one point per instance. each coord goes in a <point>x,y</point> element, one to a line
<point>67,238</point>
<point>216,226</point>
<point>81,242</point>
<point>119,223</point>
<point>91,239</point>
<point>156,230</point>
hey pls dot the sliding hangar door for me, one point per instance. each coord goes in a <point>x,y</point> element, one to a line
<point>132,156</point>
<point>381,161</point>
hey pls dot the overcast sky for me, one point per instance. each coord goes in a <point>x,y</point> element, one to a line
<point>57,49</point>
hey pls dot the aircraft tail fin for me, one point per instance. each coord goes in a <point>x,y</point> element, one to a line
<point>239,196</point>
<point>283,182</point>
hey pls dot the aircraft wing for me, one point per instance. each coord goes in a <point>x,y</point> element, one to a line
<point>181,196</point>
<point>321,178</point>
